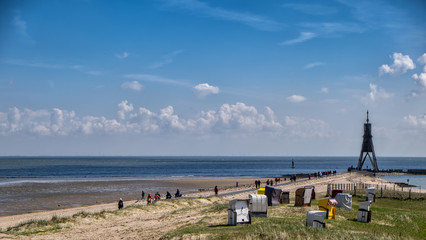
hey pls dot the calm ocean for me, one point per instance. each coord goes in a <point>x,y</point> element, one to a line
<point>56,168</point>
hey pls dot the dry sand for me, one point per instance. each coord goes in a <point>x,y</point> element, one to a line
<point>152,224</point>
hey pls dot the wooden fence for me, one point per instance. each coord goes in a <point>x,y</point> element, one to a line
<point>382,190</point>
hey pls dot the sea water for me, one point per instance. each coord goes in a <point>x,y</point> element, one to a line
<point>92,168</point>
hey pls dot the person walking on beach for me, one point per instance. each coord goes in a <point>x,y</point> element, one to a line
<point>149,198</point>
<point>216,190</point>
<point>267,182</point>
<point>120,204</point>
<point>143,195</point>
<point>255,183</point>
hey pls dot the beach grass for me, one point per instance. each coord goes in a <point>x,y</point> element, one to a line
<point>391,219</point>
<point>35,226</point>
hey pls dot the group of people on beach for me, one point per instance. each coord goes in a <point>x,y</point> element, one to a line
<point>157,196</point>
<point>269,182</point>
<point>149,198</point>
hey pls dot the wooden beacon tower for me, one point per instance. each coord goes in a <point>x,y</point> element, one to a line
<point>367,148</point>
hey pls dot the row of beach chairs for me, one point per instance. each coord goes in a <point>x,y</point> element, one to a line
<point>242,210</point>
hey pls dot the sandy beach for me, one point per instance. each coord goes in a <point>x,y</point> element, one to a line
<point>38,197</point>
<point>129,222</point>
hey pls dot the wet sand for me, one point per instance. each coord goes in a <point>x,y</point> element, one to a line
<point>23,198</point>
<point>97,202</point>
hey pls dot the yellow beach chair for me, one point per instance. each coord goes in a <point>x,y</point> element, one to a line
<point>327,205</point>
<point>261,191</point>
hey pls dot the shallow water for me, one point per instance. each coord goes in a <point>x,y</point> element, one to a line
<point>418,180</point>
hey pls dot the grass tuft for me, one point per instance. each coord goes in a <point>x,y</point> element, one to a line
<point>216,207</point>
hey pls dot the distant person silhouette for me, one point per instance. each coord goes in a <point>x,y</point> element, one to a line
<point>120,204</point>
<point>177,194</point>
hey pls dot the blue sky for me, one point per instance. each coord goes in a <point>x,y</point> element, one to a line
<point>191,77</point>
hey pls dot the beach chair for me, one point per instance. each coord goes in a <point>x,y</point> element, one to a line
<point>261,191</point>
<point>258,205</point>
<point>315,219</point>
<point>273,195</point>
<point>364,212</point>
<point>285,197</point>
<point>239,212</point>
<point>327,205</point>
<point>344,201</point>
<point>335,192</point>
<point>299,197</point>
<point>371,197</point>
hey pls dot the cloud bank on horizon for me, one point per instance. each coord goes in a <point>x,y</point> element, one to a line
<point>212,78</point>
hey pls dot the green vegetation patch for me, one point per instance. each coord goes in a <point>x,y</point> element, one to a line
<point>216,208</point>
<point>391,219</point>
<point>34,226</point>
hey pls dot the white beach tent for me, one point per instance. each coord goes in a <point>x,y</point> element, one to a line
<point>273,195</point>
<point>344,201</point>
<point>364,206</point>
<point>371,197</point>
<point>364,212</point>
<point>315,219</point>
<point>258,205</point>
<point>239,212</point>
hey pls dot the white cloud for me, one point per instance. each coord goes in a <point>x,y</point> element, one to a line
<point>401,64</point>
<point>167,59</point>
<point>378,93</point>
<point>124,108</point>
<point>241,116</point>
<point>314,64</point>
<point>204,89</point>
<point>327,28</point>
<point>296,99</point>
<point>123,55</point>
<point>416,120</point>
<point>296,126</point>
<point>420,79</point>
<point>255,21</point>
<point>304,36</point>
<point>422,59</point>
<point>154,78</point>
<point>133,85</point>
<point>238,118</point>
<point>324,90</point>
<point>31,64</point>
<point>21,27</point>
<point>39,64</point>
<point>417,123</point>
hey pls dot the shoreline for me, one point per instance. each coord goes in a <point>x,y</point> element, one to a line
<point>227,187</point>
<point>21,196</point>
